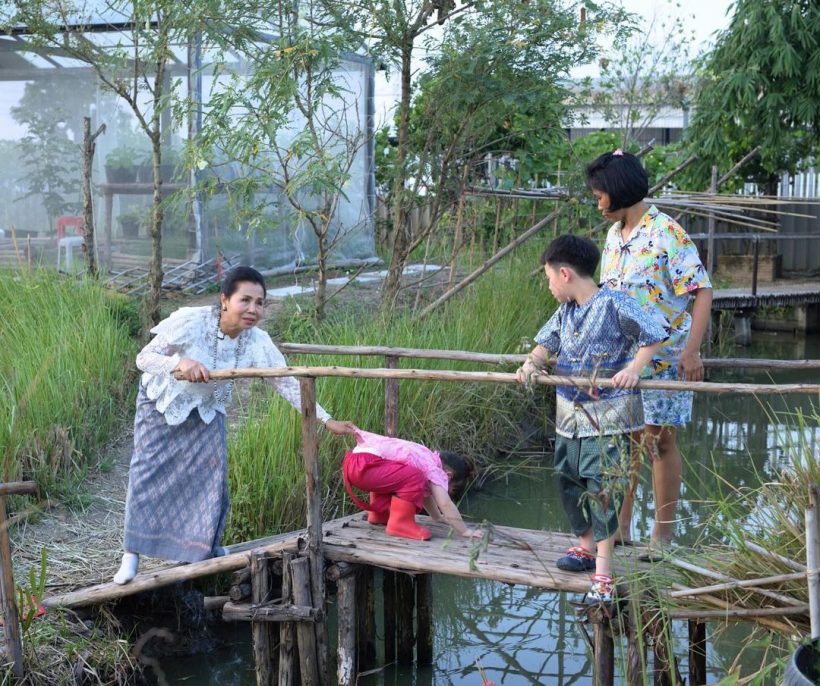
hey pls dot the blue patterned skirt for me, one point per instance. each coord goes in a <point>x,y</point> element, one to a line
<point>177,502</point>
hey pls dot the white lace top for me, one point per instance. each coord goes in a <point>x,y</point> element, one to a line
<point>191,332</point>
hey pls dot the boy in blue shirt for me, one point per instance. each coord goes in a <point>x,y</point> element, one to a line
<point>594,333</point>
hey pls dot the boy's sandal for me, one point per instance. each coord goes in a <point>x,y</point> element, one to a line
<point>601,591</point>
<point>630,543</point>
<point>655,552</point>
<point>576,560</point>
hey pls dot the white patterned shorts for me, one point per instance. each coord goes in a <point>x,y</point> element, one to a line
<point>667,408</point>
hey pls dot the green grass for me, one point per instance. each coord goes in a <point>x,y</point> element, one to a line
<point>493,315</point>
<point>65,356</point>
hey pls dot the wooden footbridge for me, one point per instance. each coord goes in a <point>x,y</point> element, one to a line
<point>288,577</point>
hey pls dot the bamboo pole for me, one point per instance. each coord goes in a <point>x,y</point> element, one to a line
<point>466,281</point>
<point>743,160</point>
<point>498,377</point>
<point>813,557</point>
<point>518,359</point>
<point>264,615</point>
<point>261,631</point>
<point>310,450</point>
<point>287,645</point>
<point>742,614</point>
<point>683,564</point>
<point>305,634</point>
<point>738,584</point>
<point>788,562</point>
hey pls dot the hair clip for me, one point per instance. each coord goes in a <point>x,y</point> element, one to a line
<point>618,153</point>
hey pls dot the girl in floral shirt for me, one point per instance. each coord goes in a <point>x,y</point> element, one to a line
<point>649,256</point>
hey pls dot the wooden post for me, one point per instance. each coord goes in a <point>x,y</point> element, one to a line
<point>697,653</point>
<point>603,671</point>
<point>366,618</point>
<point>11,627</point>
<point>424,619</point>
<point>346,674</point>
<point>287,646</point>
<point>755,262</point>
<point>89,145</point>
<point>310,451</point>
<point>389,607</point>
<point>308,657</point>
<point>391,399</point>
<point>665,666</point>
<point>710,243</point>
<point>105,253</point>
<point>405,605</point>
<point>813,557</point>
<point>264,656</point>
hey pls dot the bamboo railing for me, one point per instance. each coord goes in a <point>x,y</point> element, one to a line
<point>518,359</point>
<point>499,377</point>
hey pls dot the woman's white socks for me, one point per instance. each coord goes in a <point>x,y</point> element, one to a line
<point>128,568</point>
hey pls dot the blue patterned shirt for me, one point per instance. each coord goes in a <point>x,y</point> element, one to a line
<point>596,340</point>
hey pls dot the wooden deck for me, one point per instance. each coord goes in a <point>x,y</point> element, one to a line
<point>515,556</point>
<point>778,293</point>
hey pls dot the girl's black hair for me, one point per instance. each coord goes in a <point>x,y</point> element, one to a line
<point>463,471</point>
<point>577,252</point>
<point>621,176</point>
<point>239,275</point>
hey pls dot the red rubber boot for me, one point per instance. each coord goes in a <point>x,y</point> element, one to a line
<point>402,521</point>
<point>377,517</point>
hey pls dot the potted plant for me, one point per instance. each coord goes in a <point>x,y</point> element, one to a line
<point>167,168</point>
<point>130,222</point>
<point>120,166</point>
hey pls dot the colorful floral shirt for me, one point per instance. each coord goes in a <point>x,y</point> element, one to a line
<point>659,266</point>
<point>595,340</point>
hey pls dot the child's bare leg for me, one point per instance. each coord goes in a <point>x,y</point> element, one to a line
<point>603,555</point>
<point>587,541</point>
<point>666,480</point>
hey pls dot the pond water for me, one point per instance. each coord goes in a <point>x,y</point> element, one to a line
<point>525,636</point>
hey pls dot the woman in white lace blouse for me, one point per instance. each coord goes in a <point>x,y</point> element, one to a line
<point>177,501</point>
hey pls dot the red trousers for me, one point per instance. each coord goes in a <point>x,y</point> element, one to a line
<point>384,479</point>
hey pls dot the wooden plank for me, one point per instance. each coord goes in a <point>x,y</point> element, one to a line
<point>166,576</point>
<point>269,612</point>
<point>18,488</point>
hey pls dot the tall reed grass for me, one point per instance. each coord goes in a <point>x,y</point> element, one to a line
<point>493,315</point>
<point>65,354</point>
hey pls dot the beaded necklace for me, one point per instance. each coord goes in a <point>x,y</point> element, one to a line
<point>222,392</point>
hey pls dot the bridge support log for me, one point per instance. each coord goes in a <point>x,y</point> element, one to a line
<point>697,653</point>
<point>305,634</point>
<point>405,605</point>
<point>390,610</point>
<point>346,674</point>
<point>603,647</point>
<point>365,618</point>
<point>287,643</point>
<point>264,656</point>
<point>424,619</point>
